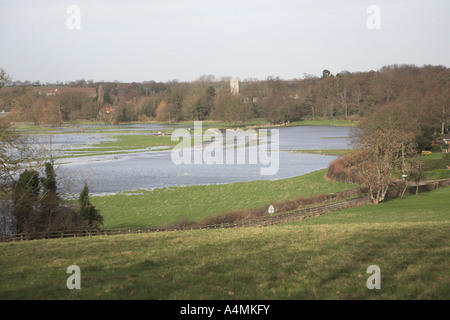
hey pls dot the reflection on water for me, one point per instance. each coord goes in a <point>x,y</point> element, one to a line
<point>155,169</point>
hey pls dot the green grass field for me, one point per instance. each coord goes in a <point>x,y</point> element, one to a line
<point>434,155</point>
<point>437,174</point>
<point>192,203</point>
<point>318,258</point>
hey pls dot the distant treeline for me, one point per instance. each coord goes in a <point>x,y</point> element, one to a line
<point>414,98</point>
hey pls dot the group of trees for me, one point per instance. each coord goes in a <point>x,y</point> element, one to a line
<point>406,111</point>
<point>401,109</point>
<point>379,159</point>
<point>29,199</point>
<point>399,92</point>
<point>37,207</point>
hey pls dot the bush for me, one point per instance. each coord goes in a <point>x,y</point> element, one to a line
<point>339,171</point>
<point>253,213</point>
<point>36,206</point>
<point>426,153</point>
<point>435,148</point>
<point>435,164</point>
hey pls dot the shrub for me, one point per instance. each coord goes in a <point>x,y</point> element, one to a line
<point>339,171</point>
<point>435,148</point>
<point>284,206</point>
<point>435,164</point>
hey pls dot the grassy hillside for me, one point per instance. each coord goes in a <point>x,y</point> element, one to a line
<point>169,205</point>
<point>318,258</point>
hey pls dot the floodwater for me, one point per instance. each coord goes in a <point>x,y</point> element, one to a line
<point>108,174</point>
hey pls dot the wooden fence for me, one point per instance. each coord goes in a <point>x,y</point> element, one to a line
<point>262,221</point>
<point>265,220</point>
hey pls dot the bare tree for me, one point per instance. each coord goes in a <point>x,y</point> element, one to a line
<point>14,150</point>
<point>4,78</point>
<point>340,87</point>
<point>440,103</point>
<point>416,172</point>
<point>379,160</point>
<point>230,108</point>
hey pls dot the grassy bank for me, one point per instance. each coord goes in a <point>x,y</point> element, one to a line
<point>169,205</point>
<point>123,144</point>
<point>30,128</point>
<point>318,258</point>
<point>437,174</point>
<point>305,122</point>
<point>324,122</point>
<point>325,152</point>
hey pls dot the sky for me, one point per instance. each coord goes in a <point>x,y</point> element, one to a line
<point>137,40</point>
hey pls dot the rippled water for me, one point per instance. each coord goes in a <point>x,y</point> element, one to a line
<point>155,169</point>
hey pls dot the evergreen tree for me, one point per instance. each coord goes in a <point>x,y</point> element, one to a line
<point>107,98</point>
<point>37,207</point>
<point>90,215</point>
<point>49,182</point>
<point>25,199</point>
<point>210,92</point>
<point>49,200</point>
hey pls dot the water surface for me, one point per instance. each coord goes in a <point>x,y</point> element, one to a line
<point>155,169</point>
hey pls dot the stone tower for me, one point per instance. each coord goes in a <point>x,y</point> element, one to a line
<point>234,86</point>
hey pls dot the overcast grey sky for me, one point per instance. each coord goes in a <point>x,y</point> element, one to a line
<point>141,40</point>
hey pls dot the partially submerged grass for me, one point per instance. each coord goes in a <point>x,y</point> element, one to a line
<point>124,143</point>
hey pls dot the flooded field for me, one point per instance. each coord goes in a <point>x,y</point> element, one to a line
<point>153,167</point>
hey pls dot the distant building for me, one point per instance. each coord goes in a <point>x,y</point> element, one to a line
<point>443,142</point>
<point>53,92</point>
<point>446,138</point>
<point>234,86</point>
<point>107,110</point>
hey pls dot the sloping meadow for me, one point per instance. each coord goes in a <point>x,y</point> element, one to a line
<point>326,257</point>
